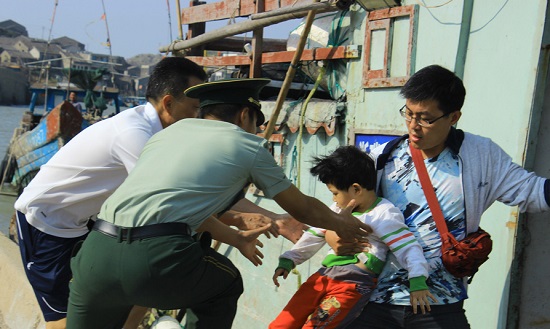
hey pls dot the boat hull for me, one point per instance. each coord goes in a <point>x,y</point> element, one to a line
<point>35,147</point>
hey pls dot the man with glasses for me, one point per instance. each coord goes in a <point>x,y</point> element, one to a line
<point>468,173</point>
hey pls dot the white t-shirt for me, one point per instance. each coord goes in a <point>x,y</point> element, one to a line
<point>72,186</point>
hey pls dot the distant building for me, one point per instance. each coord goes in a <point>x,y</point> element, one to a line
<point>15,58</point>
<point>12,29</point>
<point>18,50</point>
<point>39,49</point>
<point>139,71</point>
<point>69,45</point>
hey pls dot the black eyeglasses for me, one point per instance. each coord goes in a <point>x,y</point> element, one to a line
<point>421,122</point>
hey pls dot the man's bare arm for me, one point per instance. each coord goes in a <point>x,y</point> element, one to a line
<point>313,212</point>
<point>246,215</point>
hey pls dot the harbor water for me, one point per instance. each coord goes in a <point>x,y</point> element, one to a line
<point>10,119</point>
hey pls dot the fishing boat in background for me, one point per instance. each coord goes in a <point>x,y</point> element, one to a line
<point>35,147</point>
<point>40,135</point>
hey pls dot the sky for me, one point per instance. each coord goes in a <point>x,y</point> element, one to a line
<point>135,26</point>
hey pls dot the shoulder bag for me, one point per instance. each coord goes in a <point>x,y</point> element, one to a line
<point>461,258</point>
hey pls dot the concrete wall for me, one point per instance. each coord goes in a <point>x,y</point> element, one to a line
<point>18,306</point>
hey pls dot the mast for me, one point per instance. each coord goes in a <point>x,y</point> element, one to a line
<point>180,29</point>
<point>48,65</point>
<point>108,43</point>
<point>169,20</point>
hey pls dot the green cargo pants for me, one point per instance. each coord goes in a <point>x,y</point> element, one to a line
<point>167,272</point>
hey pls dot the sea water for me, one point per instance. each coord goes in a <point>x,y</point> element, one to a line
<point>10,118</point>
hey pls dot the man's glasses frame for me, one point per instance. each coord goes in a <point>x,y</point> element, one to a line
<point>421,122</point>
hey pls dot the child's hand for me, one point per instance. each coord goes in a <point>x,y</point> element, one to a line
<point>279,272</point>
<point>420,297</point>
<point>248,244</point>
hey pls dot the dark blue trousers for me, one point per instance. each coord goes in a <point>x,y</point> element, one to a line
<point>387,316</point>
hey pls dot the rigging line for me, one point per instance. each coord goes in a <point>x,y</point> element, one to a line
<point>48,43</point>
<point>52,21</point>
<point>88,34</point>
<point>169,20</point>
<point>107,27</point>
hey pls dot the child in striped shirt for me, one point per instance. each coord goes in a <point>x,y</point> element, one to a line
<point>336,294</point>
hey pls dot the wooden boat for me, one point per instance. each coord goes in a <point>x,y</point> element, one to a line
<point>35,147</point>
<point>39,137</point>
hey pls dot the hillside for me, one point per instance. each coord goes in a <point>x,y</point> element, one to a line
<point>144,59</point>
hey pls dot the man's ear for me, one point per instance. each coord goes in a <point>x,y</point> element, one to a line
<point>455,116</point>
<point>243,114</point>
<point>167,102</point>
<point>247,114</point>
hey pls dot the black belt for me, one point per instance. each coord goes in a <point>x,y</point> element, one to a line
<point>141,232</point>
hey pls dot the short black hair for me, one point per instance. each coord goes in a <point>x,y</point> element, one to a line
<point>224,112</point>
<point>171,77</point>
<point>344,167</point>
<point>436,83</point>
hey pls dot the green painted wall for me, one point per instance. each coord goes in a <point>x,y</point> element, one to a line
<point>500,72</point>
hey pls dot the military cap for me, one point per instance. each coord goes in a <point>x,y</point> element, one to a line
<point>231,91</point>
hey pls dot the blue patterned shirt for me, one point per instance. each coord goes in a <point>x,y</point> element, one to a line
<point>400,185</point>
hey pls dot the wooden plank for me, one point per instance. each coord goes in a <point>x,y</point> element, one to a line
<point>390,12</point>
<point>341,52</point>
<point>231,8</point>
<point>382,20</point>
<point>290,3</point>
<point>195,30</point>
<point>257,45</point>
<point>386,82</point>
<point>220,60</point>
<point>210,12</point>
<point>248,7</point>
<point>368,72</point>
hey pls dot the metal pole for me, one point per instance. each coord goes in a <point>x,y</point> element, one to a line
<point>69,78</point>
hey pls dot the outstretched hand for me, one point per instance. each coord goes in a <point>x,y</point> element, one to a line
<point>249,243</point>
<point>250,221</point>
<point>290,228</point>
<point>422,298</point>
<point>342,247</point>
<point>352,229</point>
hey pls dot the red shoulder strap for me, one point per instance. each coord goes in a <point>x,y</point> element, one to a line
<point>428,189</point>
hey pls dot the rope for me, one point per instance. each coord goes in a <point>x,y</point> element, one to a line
<point>302,115</point>
<point>335,39</point>
<point>421,3</point>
